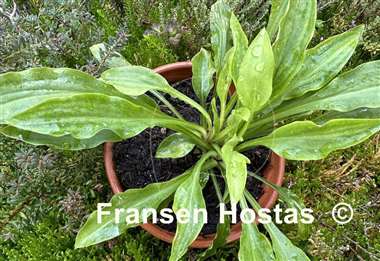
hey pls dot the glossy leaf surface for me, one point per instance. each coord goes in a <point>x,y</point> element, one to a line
<point>292,201</point>
<point>278,11</point>
<point>92,114</point>
<point>150,196</point>
<point>305,140</point>
<point>236,118</point>
<point>296,30</point>
<point>354,89</point>
<point>66,142</point>
<point>220,32</point>
<point>188,196</point>
<point>323,62</point>
<point>240,43</point>
<point>236,169</point>
<point>283,248</point>
<point>254,86</point>
<point>134,80</point>
<point>254,246</point>
<point>203,72</point>
<point>174,146</point>
<point>22,90</point>
<point>361,113</point>
<point>225,79</point>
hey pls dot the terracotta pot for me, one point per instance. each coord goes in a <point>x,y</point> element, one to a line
<point>273,172</point>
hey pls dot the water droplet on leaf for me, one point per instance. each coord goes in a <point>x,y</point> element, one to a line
<point>260,67</point>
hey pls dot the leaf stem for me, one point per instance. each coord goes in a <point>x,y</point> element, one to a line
<point>217,188</point>
<point>210,164</point>
<point>188,100</point>
<point>221,135</point>
<point>186,125</point>
<point>246,145</point>
<point>263,180</point>
<point>222,116</point>
<point>195,139</point>
<point>204,158</point>
<point>217,149</point>
<point>256,206</point>
<point>231,103</point>
<point>215,116</point>
<point>244,129</point>
<point>167,103</point>
<point>243,203</point>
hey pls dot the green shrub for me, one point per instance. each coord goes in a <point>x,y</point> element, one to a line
<point>339,16</point>
<point>47,241</point>
<point>182,26</point>
<point>53,33</point>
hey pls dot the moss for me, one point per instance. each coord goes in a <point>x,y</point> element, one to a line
<point>347,176</point>
<point>48,241</point>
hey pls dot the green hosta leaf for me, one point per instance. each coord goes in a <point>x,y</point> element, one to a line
<point>203,72</point>
<point>146,101</point>
<point>236,169</point>
<point>277,13</point>
<point>150,196</point>
<point>104,54</point>
<point>354,89</point>
<point>254,246</point>
<point>66,142</point>
<point>135,80</point>
<point>222,232</point>
<point>282,246</point>
<point>224,79</point>
<point>240,42</point>
<point>205,177</point>
<point>83,116</point>
<point>305,140</point>
<point>254,85</point>
<point>362,113</point>
<point>358,88</point>
<point>292,201</point>
<point>215,114</point>
<point>235,119</point>
<point>220,36</point>
<point>238,115</point>
<point>23,90</point>
<point>174,146</point>
<point>296,30</point>
<point>324,62</point>
<point>188,196</point>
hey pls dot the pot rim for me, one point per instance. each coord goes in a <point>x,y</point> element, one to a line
<point>273,172</point>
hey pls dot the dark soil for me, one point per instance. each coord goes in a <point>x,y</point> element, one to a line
<point>137,167</point>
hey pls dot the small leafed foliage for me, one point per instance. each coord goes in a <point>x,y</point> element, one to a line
<point>278,79</point>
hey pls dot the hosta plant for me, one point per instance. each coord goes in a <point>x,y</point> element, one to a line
<point>279,80</point>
